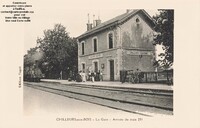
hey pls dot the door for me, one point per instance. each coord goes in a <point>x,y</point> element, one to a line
<point>83,67</point>
<point>96,67</point>
<point>111,70</point>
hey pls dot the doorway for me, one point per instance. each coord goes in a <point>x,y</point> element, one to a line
<point>96,66</point>
<point>111,70</point>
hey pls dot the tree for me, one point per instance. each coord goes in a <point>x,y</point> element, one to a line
<point>59,52</point>
<point>165,36</point>
<point>33,55</point>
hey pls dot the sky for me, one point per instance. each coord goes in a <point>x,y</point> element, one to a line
<point>73,19</point>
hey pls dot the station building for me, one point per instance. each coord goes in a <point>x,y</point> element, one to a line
<point>122,43</point>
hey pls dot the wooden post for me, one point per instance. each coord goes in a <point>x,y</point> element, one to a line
<point>156,73</point>
<point>61,75</point>
<point>167,77</point>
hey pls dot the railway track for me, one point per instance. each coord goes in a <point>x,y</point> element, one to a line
<point>134,101</point>
<point>125,89</point>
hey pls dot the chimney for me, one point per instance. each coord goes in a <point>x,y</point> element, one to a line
<point>98,21</point>
<point>94,24</point>
<point>89,25</point>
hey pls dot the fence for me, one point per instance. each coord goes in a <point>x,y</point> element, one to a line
<point>131,76</point>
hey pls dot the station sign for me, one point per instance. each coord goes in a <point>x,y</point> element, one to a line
<point>139,53</point>
<point>95,56</point>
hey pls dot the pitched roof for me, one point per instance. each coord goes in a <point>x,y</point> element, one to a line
<point>113,21</point>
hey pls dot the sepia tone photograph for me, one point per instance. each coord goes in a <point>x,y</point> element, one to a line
<point>99,64</point>
<point>123,64</point>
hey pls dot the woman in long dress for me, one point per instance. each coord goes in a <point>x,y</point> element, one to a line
<point>83,77</point>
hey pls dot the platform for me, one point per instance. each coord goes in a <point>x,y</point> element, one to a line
<point>149,86</point>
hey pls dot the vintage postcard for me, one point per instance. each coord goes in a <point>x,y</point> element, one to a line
<point>99,64</point>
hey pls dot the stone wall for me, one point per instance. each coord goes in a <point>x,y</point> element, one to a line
<point>137,34</point>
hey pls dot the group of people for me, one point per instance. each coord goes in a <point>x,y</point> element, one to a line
<point>90,76</point>
<point>133,76</point>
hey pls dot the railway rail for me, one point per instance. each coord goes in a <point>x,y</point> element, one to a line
<point>135,101</point>
<point>125,89</point>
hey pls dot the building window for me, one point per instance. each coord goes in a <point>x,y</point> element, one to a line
<point>137,20</point>
<point>95,44</point>
<point>83,48</point>
<point>110,40</point>
<point>83,67</point>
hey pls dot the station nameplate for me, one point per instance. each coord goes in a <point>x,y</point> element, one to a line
<point>95,56</point>
<point>139,53</point>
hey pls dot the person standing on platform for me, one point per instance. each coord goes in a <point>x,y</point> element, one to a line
<point>92,76</point>
<point>124,74</point>
<point>89,74</point>
<point>101,76</point>
<point>83,76</point>
<point>136,80</point>
<point>79,77</point>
